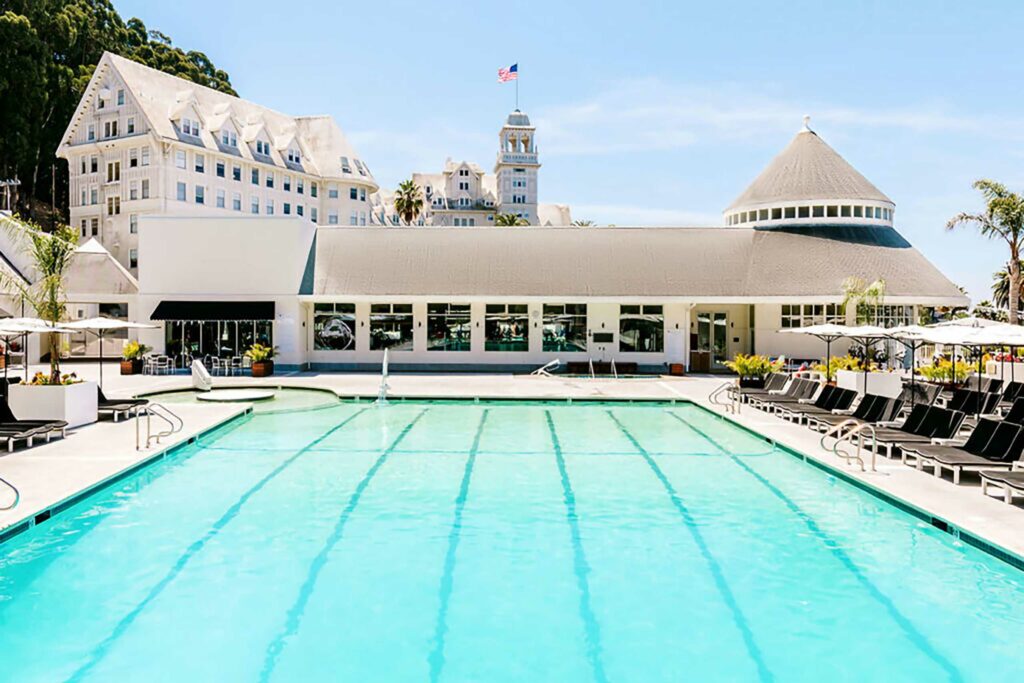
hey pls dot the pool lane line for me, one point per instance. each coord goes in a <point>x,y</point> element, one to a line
<point>101,650</point>
<point>915,636</point>
<point>294,615</point>
<point>436,657</point>
<point>717,574</point>
<point>581,567</point>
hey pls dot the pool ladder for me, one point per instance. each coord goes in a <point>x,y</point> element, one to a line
<point>856,432</point>
<point>174,423</point>
<point>17,494</point>
<point>732,399</point>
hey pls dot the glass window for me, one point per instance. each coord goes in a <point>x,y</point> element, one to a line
<point>270,179</point>
<point>858,212</point>
<point>819,212</point>
<point>133,258</point>
<point>776,214</point>
<point>236,173</point>
<point>804,212</point>
<point>255,176</point>
<point>353,193</point>
<point>220,199</point>
<point>182,190</point>
<point>179,159</point>
<point>200,194</point>
<point>236,201</point>
<point>254,205</point>
<point>641,329</point>
<point>506,328</point>
<point>391,327</point>
<point>133,224</point>
<point>200,163</point>
<point>448,327</point>
<point>833,212</point>
<point>220,169</point>
<point>845,211</point>
<point>287,183</point>
<point>790,212</point>
<point>334,327</point>
<point>565,327</point>
<point>332,191</point>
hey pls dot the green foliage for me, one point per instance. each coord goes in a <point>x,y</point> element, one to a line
<point>50,254</point>
<point>1002,219</point>
<point>48,51</point>
<point>409,201</point>
<point>133,350</point>
<point>582,223</point>
<point>259,353</point>
<point>753,366</point>
<point>42,379</point>
<point>837,363</point>
<point>510,220</point>
<point>944,371</point>
<point>867,298</point>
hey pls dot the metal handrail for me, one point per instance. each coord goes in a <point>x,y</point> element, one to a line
<point>615,373</point>
<point>836,430</point>
<point>590,363</point>
<point>174,423</point>
<point>735,399</point>
<point>848,438</point>
<point>17,494</point>
<point>543,370</point>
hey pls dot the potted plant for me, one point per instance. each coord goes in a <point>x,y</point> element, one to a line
<point>131,357</point>
<point>753,369</point>
<point>48,396</point>
<point>261,356</point>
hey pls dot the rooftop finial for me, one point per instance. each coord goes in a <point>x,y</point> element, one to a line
<point>807,123</point>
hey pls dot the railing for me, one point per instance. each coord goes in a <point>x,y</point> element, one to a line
<point>615,373</point>
<point>17,494</point>
<point>855,432</point>
<point>590,363</point>
<point>733,400</point>
<point>174,423</point>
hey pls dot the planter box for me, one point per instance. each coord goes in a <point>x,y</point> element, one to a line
<point>752,382</point>
<point>76,404</point>
<point>886,384</point>
<point>263,368</point>
<point>131,367</point>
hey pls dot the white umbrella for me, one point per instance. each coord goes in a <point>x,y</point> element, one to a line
<point>827,333</point>
<point>972,321</point>
<point>100,326</point>
<point>12,328</point>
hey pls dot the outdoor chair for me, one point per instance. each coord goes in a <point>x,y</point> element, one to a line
<point>12,429</point>
<point>120,406</point>
<point>871,409</point>
<point>831,398</point>
<point>992,445</point>
<point>775,382</point>
<point>922,425</point>
<point>1011,482</point>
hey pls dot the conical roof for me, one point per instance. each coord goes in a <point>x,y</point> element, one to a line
<point>808,169</point>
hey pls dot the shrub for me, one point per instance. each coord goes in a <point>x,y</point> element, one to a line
<point>753,366</point>
<point>133,350</point>
<point>943,371</point>
<point>837,363</point>
<point>259,353</point>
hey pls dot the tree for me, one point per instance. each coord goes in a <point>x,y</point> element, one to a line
<point>408,201</point>
<point>509,220</point>
<point>866,298</point>
<point>583,223</point>
<point>1001,287</point>
<point>50,255</point>
<point>48,52</point>
<point>1003,218</point>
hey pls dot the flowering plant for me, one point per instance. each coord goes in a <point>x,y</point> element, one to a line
<point>44,379</point>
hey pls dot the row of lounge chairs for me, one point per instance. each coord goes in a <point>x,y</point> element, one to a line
<point>979,428</point>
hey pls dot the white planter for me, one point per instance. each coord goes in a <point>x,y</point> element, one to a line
<point>886,384</point>
<point>76,404</point>
<point>1012,372</point>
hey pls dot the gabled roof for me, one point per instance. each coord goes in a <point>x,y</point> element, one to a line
<point>724,263</point>
<point>808,169</point>
<point>94,271</point>
<point>159,95</point>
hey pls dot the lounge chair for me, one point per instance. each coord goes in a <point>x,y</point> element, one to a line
<point>830,399</point>
<point>1012,392</point>
<point>1016,412</point>
<point>797,389</point>
<point>775,382</point>
<point>919,393</point>
<point>1010,482</point>
<point>119,406</point>
<point>922,425</point>
<point>871,409</point>
<point>992,445</point>
<point>27,429</point>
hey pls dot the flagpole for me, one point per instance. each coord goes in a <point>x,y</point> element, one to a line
<point>517,87</point>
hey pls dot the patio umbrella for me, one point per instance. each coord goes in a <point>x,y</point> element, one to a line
<point>972,321</point>
<point>866,336</point>
<point>100,327</point>
<point>912,337</point>
<point>12,328</point>
<point>827,333</point>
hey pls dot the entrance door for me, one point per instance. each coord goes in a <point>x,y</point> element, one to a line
<point>713,337</point>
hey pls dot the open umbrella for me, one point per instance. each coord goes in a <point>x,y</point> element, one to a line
<point>827,333</point>
<point>914,337</point>
<point>100,327</point>
<point>12,328</point>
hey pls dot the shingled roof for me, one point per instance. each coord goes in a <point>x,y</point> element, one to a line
<point>807,169</point>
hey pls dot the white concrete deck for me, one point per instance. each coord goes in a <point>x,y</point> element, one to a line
<point>961,506</point>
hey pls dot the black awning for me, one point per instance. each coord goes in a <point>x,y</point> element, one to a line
<point>214,310</point>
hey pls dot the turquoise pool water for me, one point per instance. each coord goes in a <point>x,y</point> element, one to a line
<point>498,542</point>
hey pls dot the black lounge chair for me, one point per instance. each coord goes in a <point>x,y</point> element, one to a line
<point>776,381</point>
<point>922,425</point>
<point>12,429</point>
<point>1012,392</point>
<point>1010,482</point>
<point>1000,450</point>
<point>119,406</point>
<point>830,399</point>
<point>919,393</point>
<point>798,389</point>
<point>871,409</point>
<point>1016,412</point>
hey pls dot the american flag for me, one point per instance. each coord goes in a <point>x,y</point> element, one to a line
<point>506,74</point>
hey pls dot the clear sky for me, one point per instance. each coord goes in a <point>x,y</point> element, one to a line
<point>651,113</point>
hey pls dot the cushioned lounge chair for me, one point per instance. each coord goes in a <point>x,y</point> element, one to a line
<point>871,409</point>
<point>1011,482</point>
<point>796,390</point>
<point>119,406</point>
<point>776,381</point>
<point>830,399</point>
<point>27,430</point>
<point>1001,451</point>
<point>922,425</point>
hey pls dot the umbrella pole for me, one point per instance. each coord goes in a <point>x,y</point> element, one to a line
<point>978,413</point>
<point>100,335</point>
<point>828,358</point>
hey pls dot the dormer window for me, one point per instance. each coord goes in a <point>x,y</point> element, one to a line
<point>345,168</point>
<point>359,167</point>
<point>228,138</point>
<point>293,155</point>
<point>120,97</point>
<point>190,127</point>
<point>263,148</point>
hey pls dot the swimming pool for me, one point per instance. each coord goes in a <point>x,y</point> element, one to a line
<point>498,542</point>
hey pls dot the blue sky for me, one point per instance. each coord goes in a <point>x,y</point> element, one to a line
<point>651,113</point>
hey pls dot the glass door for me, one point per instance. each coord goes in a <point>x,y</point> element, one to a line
<point>713,337</point>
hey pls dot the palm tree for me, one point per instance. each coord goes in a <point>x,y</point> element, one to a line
<point>583,223</point>
<point>1003,218</point>
<point>1001,287</point>
<point>867,298</point>
<point>509,220</point>
<point>50,255</point>
<point>408,201</point>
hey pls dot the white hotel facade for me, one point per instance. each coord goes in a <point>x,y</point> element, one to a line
<point>334,294</point>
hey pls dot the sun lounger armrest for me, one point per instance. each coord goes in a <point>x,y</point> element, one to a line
<point>890,423</point>
<point>805,400</point>
<point>949,442</point>
<point>842,411</point>
<point>775,392</point>
<point>1017,465</point>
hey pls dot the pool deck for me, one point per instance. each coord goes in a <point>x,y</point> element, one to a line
<point>49,474</point>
